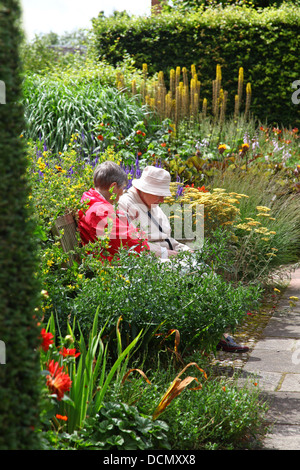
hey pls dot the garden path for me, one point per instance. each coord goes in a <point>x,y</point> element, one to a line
<point>273,364</point>
<point>275,361</point>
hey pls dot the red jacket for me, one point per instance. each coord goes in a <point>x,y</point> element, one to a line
<point>100,215</point>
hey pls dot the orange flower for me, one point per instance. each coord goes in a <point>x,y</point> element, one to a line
<point>57,381</point>
<point>65,352</point>
<point>276,130</point>
<point>63,418</point>
<point>202,189</point>
<point>222,148</point>
<point>163,144</point>
<point>100,137</point>
<point>47,339</point>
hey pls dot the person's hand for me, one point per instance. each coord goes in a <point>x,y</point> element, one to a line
<point>172,253</point>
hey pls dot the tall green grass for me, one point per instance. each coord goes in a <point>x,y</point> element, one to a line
<point>55,110</point>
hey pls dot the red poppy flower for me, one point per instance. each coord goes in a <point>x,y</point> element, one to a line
<point>163,144</point>
<point>58,381</point>
<point>46,339</point>
<point>100,137</point>
<point>66,352</point>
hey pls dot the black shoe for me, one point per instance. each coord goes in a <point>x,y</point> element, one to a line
<point>229,345</point>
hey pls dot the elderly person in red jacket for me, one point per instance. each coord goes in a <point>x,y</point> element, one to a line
<point>101,220</point>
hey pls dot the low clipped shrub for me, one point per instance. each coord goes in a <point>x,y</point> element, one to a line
<point>151,296</point>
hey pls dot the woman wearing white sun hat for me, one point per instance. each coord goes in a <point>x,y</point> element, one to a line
<point>141,204</point>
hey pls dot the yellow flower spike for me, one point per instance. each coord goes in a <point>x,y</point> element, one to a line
<point>218,72</point>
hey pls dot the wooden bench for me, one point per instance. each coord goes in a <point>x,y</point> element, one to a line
<point>66,229</point>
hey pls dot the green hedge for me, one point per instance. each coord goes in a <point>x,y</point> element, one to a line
<point>264,43</point>
<point>19,290</point>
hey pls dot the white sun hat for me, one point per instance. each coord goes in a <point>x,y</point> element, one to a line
<point>154,181</point>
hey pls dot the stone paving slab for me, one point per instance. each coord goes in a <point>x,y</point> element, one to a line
<point>283,438</point>
<point>277,344</point>
<point>290,383</point>
<point>262,360</point>
<point>284,407</point>
<point>287,326</point>
<point>266,381</point>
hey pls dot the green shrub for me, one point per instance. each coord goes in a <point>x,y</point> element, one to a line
<point>219,415</point>
<point>264,43</point>
<point>151,296</point>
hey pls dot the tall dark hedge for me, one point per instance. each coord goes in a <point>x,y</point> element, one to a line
<point>266,44</point>
<point>19,290</point>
